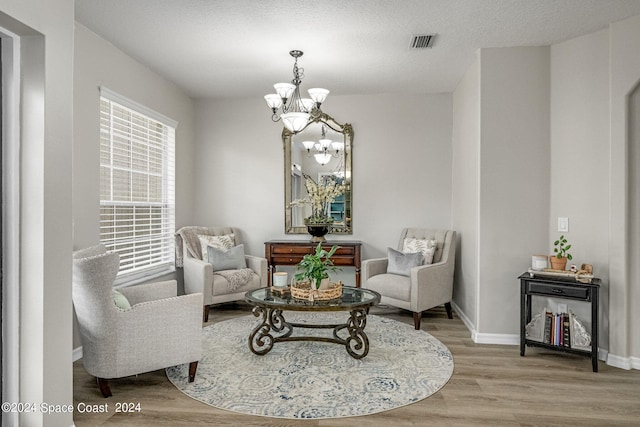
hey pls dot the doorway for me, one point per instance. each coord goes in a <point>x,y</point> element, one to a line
<point>634,211</point>
<point>9,214</point>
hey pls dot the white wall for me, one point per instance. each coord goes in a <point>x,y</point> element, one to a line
<point>592,79</point>
<point>579,141</point>
<point>579,152</point>
<point>98,63</point>
<point>501,184</point>
<point>624,318</point>
<point>465,189</point>
<point>45,374</point>
<point>514,178</point>
<point>401,167</point>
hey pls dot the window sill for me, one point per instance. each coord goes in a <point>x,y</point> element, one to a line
<point>144,277</point>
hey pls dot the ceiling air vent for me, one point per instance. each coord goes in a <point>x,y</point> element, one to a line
<point>422,41</point>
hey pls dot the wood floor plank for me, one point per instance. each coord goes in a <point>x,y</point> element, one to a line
<point>491,385</point>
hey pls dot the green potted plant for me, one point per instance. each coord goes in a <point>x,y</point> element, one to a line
<point>560,248</point>
<point>315,267</point>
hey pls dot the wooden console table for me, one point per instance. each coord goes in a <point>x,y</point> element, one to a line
<point>290,252</point>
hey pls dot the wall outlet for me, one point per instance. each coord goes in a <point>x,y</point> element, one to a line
<point>562,308</point>
<point>563,224</point>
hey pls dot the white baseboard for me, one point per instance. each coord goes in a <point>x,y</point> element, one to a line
<point>623,362</point>
<point>501,339</point>
<point>603,354</point>
<point>467,322</point>
<point>478,338</point>
<point>77,353</point>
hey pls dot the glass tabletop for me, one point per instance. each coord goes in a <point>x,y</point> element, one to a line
<point>351,298</point>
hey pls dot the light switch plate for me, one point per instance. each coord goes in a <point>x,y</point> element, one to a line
<point>563,224</point>
<point>562,308</point>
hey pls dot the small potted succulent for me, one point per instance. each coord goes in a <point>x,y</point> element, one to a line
<point>314,268</point>
<point>560,249</point>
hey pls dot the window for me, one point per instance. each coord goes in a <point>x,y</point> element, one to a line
<point>137,186</point>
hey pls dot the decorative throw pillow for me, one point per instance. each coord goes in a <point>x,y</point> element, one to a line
<point>426,247</point>
<point>401,263</point>
<point>224,242</point>
<point>232,259</point>
<point>121,301</point>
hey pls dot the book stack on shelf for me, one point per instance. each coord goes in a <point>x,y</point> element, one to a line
<point>557,329</point>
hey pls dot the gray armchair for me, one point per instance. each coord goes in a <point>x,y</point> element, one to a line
<point>426,286</point>
<point>199,274</point>
<point>159,329</point>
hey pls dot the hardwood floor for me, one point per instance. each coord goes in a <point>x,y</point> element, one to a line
<point>491,385</point>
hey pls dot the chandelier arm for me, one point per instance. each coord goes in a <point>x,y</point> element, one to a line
<point>294,102</point>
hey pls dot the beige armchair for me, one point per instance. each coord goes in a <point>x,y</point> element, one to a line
<point>155,328</point>
<point>199,274</point>
<point>425,286</point>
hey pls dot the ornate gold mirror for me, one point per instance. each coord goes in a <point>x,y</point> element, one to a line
<point>321,151</point>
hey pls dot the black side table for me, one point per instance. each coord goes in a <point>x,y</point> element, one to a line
<point>564,288</point>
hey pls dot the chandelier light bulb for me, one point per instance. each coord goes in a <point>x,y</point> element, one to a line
<point>295,121</point>
<point>306,104</point>
<point>284,90</point>
<point>324,143</point>
<point>308,145</point>
<point>318,94</point>
<point>321,158</point>
<point>273,101</point>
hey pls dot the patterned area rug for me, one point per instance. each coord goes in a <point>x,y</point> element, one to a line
<point>314,380</point>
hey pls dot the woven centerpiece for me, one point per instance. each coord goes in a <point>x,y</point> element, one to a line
<point>303,290</point>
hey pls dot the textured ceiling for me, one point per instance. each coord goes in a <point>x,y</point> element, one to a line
<point>227,48</point>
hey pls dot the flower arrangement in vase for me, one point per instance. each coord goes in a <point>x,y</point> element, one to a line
<point>319,196</point>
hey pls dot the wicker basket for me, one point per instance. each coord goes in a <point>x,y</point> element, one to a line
<point>302,290</point>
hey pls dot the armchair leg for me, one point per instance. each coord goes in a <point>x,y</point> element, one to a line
<point>447,306</point>
<point>193,367</point>
<point>205,314</point>
<point>417,316</point>
<point>103,385</point>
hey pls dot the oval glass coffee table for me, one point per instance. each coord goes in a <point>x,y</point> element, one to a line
<point>270,304</point>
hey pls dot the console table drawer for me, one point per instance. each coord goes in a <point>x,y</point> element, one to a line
<point>286,260</point>
<point>291,252</point>
<point>303,250</point>
<point>559,290</point>
<point>342,261</point>
<point>294,259</point>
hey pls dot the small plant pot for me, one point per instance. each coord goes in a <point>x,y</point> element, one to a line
<point>558,263</point>
<point>325,284</point>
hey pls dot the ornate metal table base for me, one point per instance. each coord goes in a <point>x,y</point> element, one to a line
<point>274,328</point>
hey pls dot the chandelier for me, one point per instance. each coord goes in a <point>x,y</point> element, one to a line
<point>296,111</point>
<point>325,149</point>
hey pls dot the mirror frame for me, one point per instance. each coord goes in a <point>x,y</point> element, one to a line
<point>346,130</point>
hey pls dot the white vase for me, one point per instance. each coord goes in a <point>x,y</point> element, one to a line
<point>325,284</point>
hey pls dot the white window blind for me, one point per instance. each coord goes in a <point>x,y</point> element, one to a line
<point>137,186</point>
